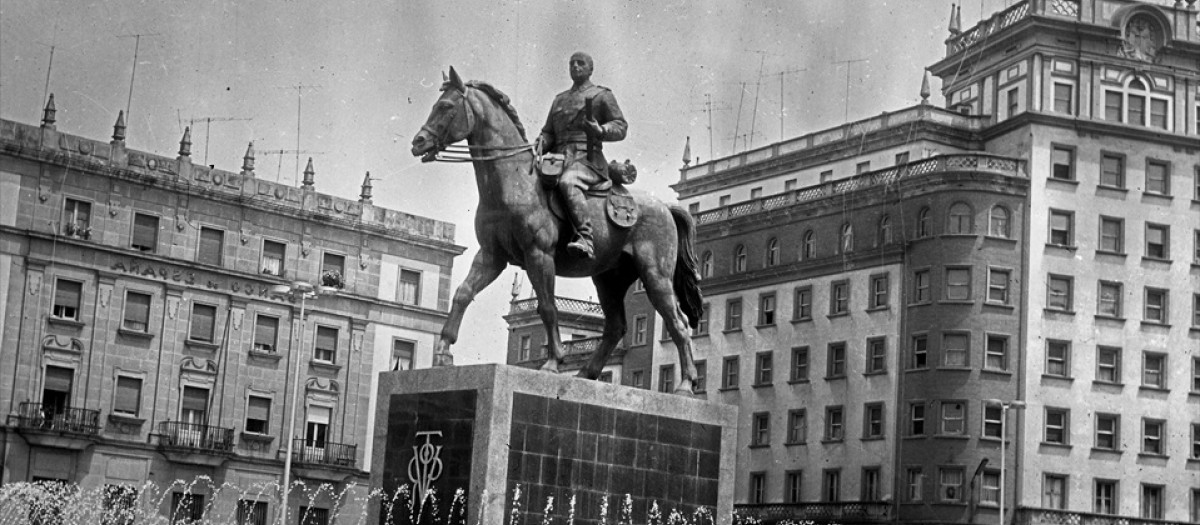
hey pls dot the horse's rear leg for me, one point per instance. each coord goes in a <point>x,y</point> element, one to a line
<point>662,296</point>
<point>610,288</point>
<point>485,268</point>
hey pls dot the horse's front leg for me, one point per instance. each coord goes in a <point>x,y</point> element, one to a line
<point>540,269</point>
<point>485,268</point>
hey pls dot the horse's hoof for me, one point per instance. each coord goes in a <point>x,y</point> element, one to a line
<point>551,365</point>
<point>685,389</point>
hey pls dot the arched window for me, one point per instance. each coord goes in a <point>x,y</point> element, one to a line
<point>706,264</point>
<point>772,252</point>
<point>1137,104</point>
<point>808,249</point>
<point>923,228</point>
<point>998,223</point>
<point>847,238</point>
<point>885,231</point>
<point>739,259</point>
<point>959,218</point>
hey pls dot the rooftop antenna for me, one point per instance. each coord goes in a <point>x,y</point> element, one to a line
<point>781,74</point>
<point>282,152</point>
<point>208,127</point>
<point>709,108</point>
<point>738,122</point>
<point>299,96</point>
<point>50,64</point>
<point>846,95</point>
<point>137,42</point>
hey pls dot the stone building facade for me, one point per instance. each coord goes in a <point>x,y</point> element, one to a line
<point>146,335</point>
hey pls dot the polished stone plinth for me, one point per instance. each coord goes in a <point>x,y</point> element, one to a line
<point>489,429</point>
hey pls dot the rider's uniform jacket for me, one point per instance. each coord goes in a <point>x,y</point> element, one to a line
<point>563,132</point>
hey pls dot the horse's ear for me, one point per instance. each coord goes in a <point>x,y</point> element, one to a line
<point>456,82</point>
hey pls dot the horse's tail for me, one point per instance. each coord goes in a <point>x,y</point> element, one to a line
<point>687,278</point>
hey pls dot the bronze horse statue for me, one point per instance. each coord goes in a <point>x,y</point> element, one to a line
<point>514,225</point>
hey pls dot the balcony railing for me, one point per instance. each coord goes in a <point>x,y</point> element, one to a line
<point>986,28</point>
<point>328,453</point>
<point>841,512</point>
<point>36,416</point>
<point>1028,516</point>
<point>204,438</point>
<point>564,305</point>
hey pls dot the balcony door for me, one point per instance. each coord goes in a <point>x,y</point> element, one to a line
<point>316,433</point>
<point>56,393</point>
<point>193,414</point>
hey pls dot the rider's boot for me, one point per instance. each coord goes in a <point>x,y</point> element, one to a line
<point>576,203</point>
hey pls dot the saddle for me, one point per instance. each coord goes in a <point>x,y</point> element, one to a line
<point>620,207</point>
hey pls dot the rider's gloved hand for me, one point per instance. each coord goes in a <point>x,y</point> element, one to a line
<point>593,128</point>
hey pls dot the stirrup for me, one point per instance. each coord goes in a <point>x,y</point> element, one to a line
<point>581,247</point>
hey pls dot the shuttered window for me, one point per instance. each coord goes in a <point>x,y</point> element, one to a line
<point>59,379</point>
<point>266,333</point>
<point>137,312</point>
<point>66,299</point>
<point>273,254</point>
<point>204,318</point>
<point>258,414</point>
<point>195,398</point>
<point>326,344</point>
<point>410,287</point>
<point>128,398</point>
<point>212,246</point>
<point>145,232</point>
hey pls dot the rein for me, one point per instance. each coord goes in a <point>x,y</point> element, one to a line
<point>459,154</point>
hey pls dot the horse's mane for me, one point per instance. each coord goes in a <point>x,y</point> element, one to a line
<point>502,100</point>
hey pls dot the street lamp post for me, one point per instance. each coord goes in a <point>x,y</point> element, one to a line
<point>303,291</point>
<point>1003,441</point>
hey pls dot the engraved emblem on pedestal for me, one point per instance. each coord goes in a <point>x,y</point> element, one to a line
<point>426,465</point>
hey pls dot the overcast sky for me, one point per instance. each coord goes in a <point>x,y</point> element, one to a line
<point>374,68</point>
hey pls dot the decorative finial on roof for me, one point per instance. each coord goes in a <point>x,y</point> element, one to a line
<point>248,160</point>
<point>365,196</point>
<point>955,21</point>
<point>308,174</point>
<point>48,113</point>
<point>687,152</point>
<point>119,127</point>
<point>925,88</point>
<point>185,143</point>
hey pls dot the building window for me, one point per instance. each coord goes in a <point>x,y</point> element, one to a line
<point>251,512</point>
<point>1108,301</point>
<point>333,270</point>
<point>733,315</point>
<point>1057,426</point>
<point>186,507</point>
<point>919,358</point>
<point>326,345</point>
<point>1196,374</point>
<point>212,246</point>
<point>885,231</point>
<point>954,416</point>
<point>702,323</point>
<point>404,350</point>
<point>1108,364</point>
<point>758,487</point>
<point>639,330</point>
<point>831,485</point>
<point>923,226</point>
<point>1059,293</point>
<point>808,247</point>
<point>724,200</point>
<point>847,238</point>
<point>763,364</point>
<point>1108,431</point>
<point>1104,499</point>
<point>1196,310</point>
<point>772,252</point>
<point>992,423</point>
<point>1013,101</point>
<point>666,378</point>
<point>862,167</point>
<point>1062,163</point>
<point>1062,228</point>
<point>635,379</point>
<point>1158,241</point>
<point>879,291</point>
<point>756,193</point>
<point>1154,370</point>
<point>835,424</point>
<point>729,372</point>
<point>1054,491</point>
<point>873,420</point>
<point>739,259</point>
<point>203,322</point>
<point>700,382</point>
<point>835,366</point>
<point>1152,436</point>
<point>1152,501</point>
<point>1157,305</point>
<point>1112,170</point>
<point>766,309</point>
<point>1195,452</point>
<point>1112,235</point>
<point>137,312</point>
<point>916,419</point>
<point>145,233</point>
<point>127,399</point>
<point>1058,358</point>
<point>989,488</point>
<point>958,221</point>
<point>921,286</point>
<point>524,349</point>
<point>998,282</point>
<point>802,310</point>
<point>799,363</point>
<point>273,254</point>
<point>839,298</point>
<point>1128,104</point>
<point>409,289</point>
<point>871,484</point>
<point>1158,177</point>
<point>958,284</point>
<point>1064,98</point>
<point>797,429</point>
<point>876,355</point>
<point>955,349</point>
<point>706,266</point>
<point>77,219</point>
<point>998,224</point>
<point>996,353</point>
<point>792,487</point>
<point>760,433</point>
<point>316,430</point>
<point>266,333</point>
<point>258,414</point>
<point>120,505</point>
<point>67,297</point>
<point>914,484</point>
<point>1196,247</point>
<point>950,484</point>
<point>789,185</point>
<point>313,516</point>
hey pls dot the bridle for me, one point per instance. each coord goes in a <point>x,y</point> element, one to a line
<point>458,154</point>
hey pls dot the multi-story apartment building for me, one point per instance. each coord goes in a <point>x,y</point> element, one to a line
<point>905,304</point>
<point>580,322</point>
<point>152,332</point>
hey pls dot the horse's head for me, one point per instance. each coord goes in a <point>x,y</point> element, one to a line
<point>450,120</point>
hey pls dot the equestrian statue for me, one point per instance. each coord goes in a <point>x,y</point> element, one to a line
<point>556,208</point>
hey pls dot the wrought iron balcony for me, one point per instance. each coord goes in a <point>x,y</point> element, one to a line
<point>329,453</point>
<point>839,512</point>
<point>36,416</point>
<point>563,304</point>
<point>197,438</point>
<point>1031,516</point>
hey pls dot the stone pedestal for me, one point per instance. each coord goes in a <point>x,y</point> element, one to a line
<point>489,429</point>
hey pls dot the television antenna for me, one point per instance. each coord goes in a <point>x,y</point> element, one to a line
<point>282,152</point>
<point>208,127</point>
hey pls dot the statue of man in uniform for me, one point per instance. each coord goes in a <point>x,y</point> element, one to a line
<point>580,119</point>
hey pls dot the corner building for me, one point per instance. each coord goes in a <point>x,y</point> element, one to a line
<point>144,339</point>
<point>902,305</point>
